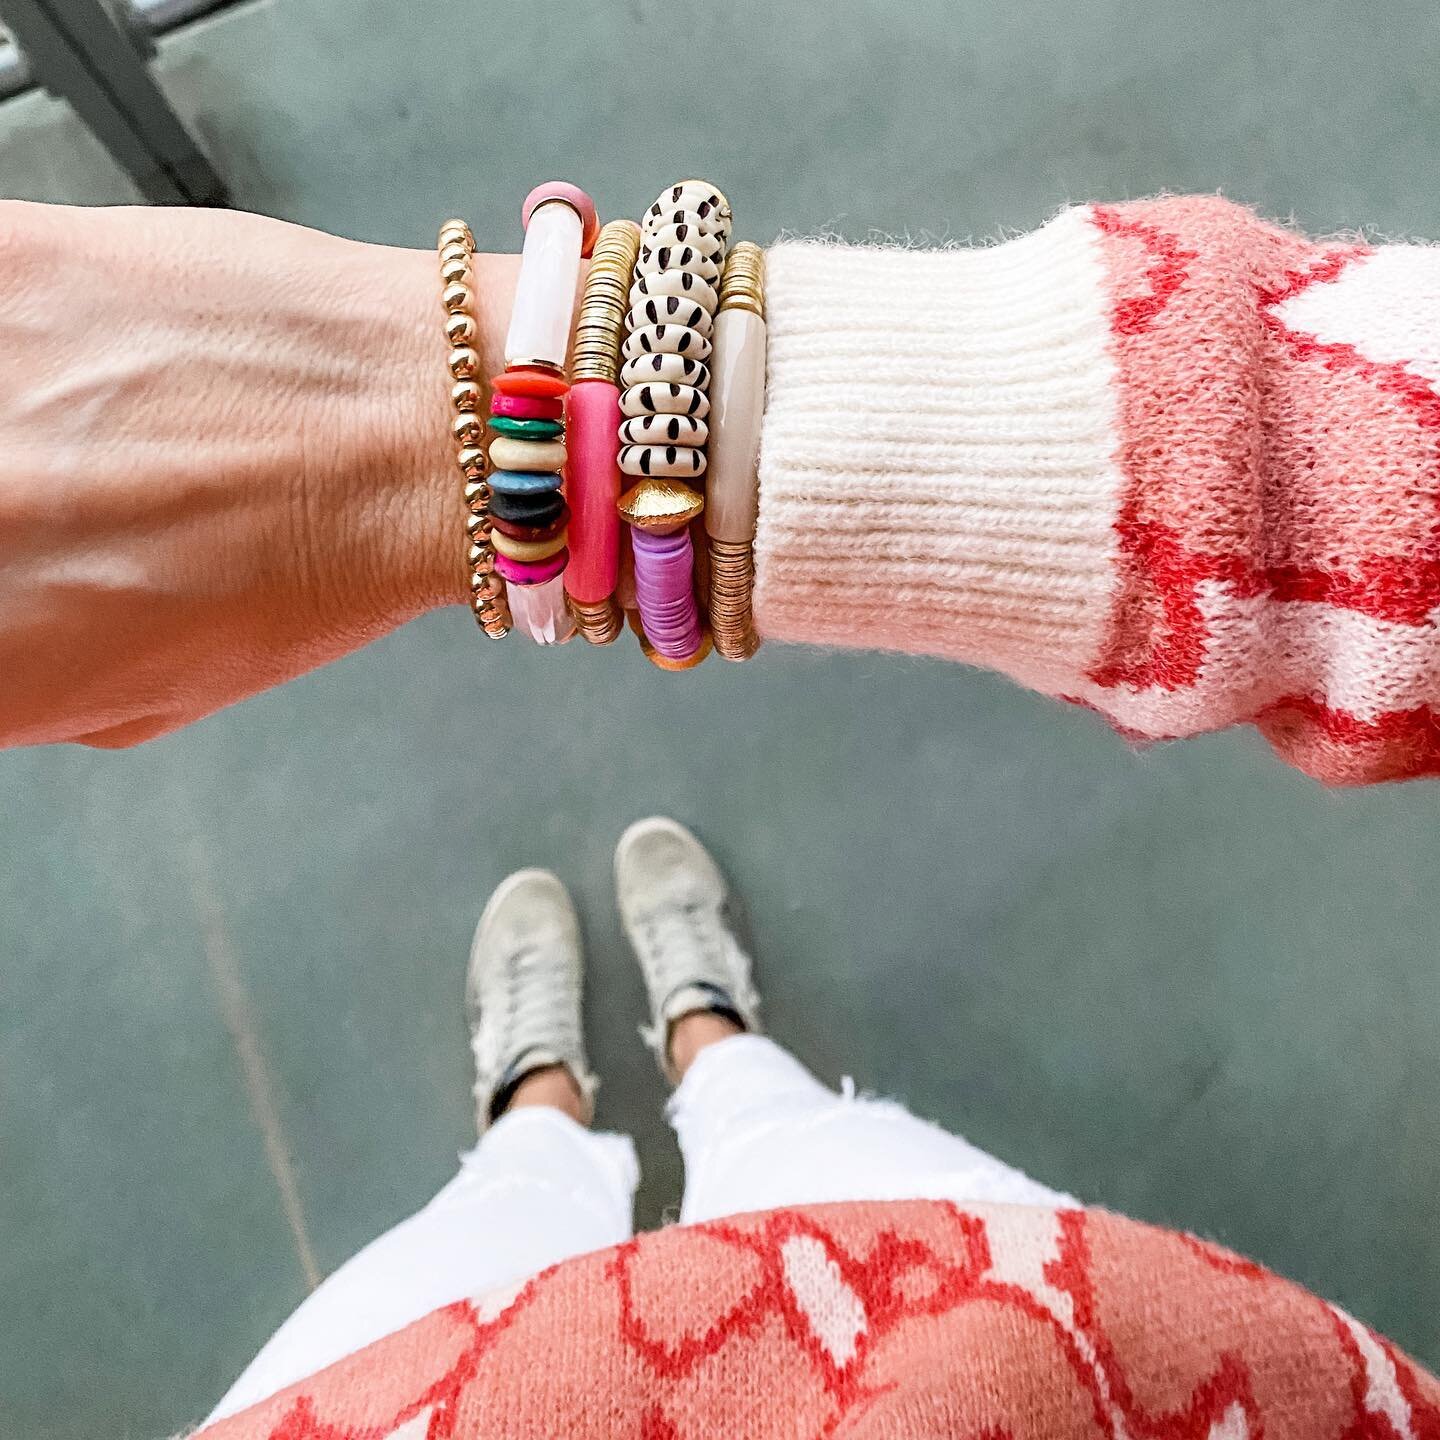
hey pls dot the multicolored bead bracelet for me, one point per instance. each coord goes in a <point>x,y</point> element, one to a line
<point>527,450</point>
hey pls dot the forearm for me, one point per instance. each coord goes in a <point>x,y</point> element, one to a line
<point>225,460</point>
<point>1159,458</point>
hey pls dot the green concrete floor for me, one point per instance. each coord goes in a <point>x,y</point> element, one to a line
<point>1184,983</point>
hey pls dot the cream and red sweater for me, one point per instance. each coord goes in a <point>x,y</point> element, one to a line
<point>1160,459</point>
<point>909,1321</point>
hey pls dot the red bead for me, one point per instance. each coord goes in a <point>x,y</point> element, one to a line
<point>534,383</point>
<point>517,531</point>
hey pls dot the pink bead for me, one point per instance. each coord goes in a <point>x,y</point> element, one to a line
<point>527,407</point>
<point>664,572</point>
<point>572,195</point>
<point>532,572</point>
<point>592,486</point>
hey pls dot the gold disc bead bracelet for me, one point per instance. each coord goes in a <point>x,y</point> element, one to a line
<point>487,590</point>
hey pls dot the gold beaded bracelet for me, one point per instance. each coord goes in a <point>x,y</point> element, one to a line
<point>487,589</point>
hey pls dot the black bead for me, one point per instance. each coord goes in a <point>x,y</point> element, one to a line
<point>537,510</point>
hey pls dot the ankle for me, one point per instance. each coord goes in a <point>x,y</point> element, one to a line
<point>550,1085</point>
<point>697,1031</point>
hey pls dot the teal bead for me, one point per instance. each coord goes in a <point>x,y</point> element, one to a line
<point>526,429</point>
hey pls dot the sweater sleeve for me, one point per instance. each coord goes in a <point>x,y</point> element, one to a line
<point>1159,459</point>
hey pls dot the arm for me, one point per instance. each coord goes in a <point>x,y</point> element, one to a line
<point>1159,459</point>
<point>223,460</point>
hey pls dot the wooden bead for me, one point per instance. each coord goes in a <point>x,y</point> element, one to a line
<point>532,455</point>
<point>662,461</point>
<point>665,400</point>
<point>528,549</point>
<point>681,369</point>
<point>666,340</point>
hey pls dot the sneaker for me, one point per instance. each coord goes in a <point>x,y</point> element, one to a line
<point>673,900</point>
<point>522,990</point>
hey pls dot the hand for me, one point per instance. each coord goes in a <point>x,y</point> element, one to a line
<point>226,459</point>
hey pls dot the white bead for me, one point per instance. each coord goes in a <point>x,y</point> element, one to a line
<point>674,282</point>
<point>669,310</point>
<point>693,195</point>
<point>670,462</point>
<point>705,224</point>
<point>676,257</point>
<point>540,612</point>
<point>545,292</point>
<point>668,340</point>
<point>711,246</point>
<point>665,400</point>
<point>664,430</point>
<point>680,368</point>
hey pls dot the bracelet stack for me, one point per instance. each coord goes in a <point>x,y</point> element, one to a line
<point>640,407</point>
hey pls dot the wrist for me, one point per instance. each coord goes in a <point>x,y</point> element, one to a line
<point>409,513</point>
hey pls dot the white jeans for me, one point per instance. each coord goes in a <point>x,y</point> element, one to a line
<point>757,1131</point>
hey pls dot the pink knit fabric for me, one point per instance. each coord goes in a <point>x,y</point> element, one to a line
<point>1169,462</point>
<point>900,1321</point>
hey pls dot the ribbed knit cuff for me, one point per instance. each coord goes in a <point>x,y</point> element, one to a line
<point>937,466</point>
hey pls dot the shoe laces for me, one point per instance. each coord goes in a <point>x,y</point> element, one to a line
<point>684,942</point>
